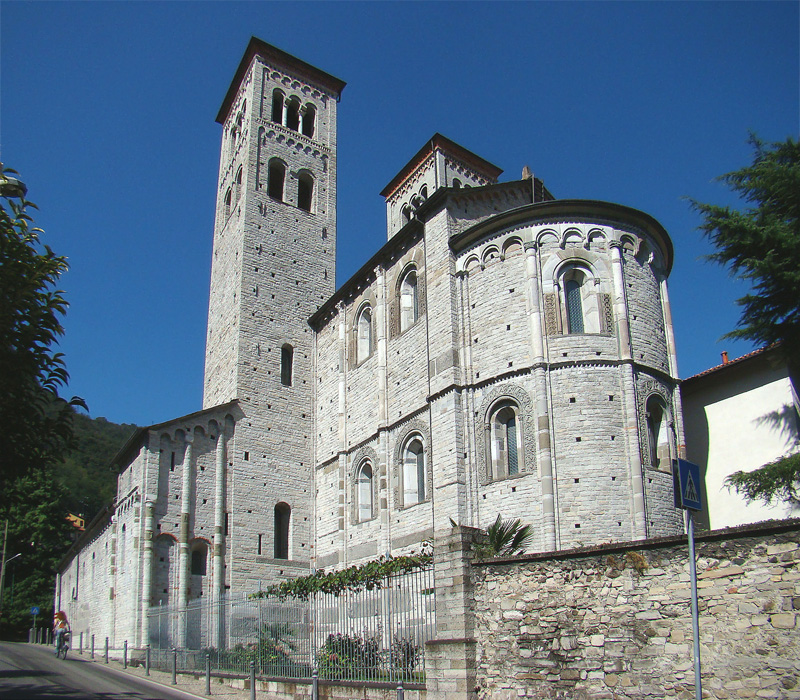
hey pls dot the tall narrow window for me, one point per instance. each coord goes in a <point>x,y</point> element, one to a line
<point>309,118</point>
<point>407,212</point>
<point>505,439</point>
<point>228,203</point>
<point>572,291</point>
<point>277,106</point>
<point>287,358</point>
<point>277,175</point>
<point>364,330</point>
<point>364,492</point>
<point>282,518</point>
<point>413,472</point>
<point>238,183</point>
<point>305,191</point>
<point>658,434</point>
<point>293,114</point>
<point>409,301</point>
<point>199,560</point>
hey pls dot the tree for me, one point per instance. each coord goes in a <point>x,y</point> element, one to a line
<point>505,538</point>
<point>761,244</point>
<point>37,423</point>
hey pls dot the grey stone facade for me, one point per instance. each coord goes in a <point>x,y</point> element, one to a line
<point>504,352</point>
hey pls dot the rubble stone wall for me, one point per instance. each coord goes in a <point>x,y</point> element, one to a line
<point>615,622</point>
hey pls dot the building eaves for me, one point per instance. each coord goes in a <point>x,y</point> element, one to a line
<point>137,437</point>
<point>446,145</point>
<point>731,363</point>
<point>301,69</point>
<point>403,238</point>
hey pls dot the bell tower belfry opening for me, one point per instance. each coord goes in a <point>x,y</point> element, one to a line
<point>273,266</point>
<point>274,256</point>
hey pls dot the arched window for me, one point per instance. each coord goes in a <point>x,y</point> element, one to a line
<point>228,203</point>
<point>658,436</point>
<point>413,472</point>
<point>456,182</point>
<point>283,515</point>
<point>364,500</point>
<point>277,106</point>
<point>364,334</point>
<point>293,114</point>
<point>287,358</point>
<point>199,559</point>
<point>572,293</point>
<point>305,191</point>
<point>505,441</point>
<point>409,301</point>
<point>407,212</point>
<point>238,183</point>
<point>309,119</point>
<point>580,301</point>
<point>277,175</point>
<point>424,192</point>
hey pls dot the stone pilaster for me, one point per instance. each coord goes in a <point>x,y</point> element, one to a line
<point>183,540</point>
<point>450,656</point>
<point>147,567</point>
<point>543,439</point>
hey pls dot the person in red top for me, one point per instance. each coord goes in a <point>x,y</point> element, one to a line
<point>60,628</point>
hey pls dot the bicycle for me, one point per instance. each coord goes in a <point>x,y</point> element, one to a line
<point>62,644</point>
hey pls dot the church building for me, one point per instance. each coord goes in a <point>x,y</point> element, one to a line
<point>504,352</point>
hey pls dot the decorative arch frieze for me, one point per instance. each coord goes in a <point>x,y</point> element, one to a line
<point>415,426</point>
<point>524,402</point>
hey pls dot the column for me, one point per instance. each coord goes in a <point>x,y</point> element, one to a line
<point>543,440</point>
<point>218,562</point>
<point>183,541</point>
<point>631,417</point>
<point>147,566</point>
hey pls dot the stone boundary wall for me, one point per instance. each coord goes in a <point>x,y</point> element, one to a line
<point>614,622</point>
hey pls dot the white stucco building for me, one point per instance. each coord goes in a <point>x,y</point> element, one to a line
<point>739,416</point>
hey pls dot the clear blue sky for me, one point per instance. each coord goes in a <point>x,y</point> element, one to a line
<point>108,113</point>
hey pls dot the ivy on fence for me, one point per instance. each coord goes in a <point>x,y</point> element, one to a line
<point>367,576</point>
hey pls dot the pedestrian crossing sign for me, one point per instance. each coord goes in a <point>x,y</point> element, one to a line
<point>688,493</point>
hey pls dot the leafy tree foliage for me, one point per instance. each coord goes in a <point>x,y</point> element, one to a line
<point>37,423</point>
<point>761,244</point>
<point>774,482</point>
<point>506,538</point>
<point>84,475</point>
<point>39,531</point>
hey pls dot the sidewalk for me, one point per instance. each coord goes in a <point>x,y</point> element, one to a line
<point>194,683</point>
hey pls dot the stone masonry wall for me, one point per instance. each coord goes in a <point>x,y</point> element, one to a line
<point>615,622</point>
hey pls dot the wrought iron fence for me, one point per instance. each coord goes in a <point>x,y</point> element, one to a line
<point>376,635</point>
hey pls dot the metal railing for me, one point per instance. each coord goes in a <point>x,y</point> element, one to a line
<point>377,635</point>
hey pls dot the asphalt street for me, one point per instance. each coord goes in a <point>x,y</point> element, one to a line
<point>32,672</point>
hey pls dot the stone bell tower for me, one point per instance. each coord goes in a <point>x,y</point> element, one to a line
<point>273,265</point>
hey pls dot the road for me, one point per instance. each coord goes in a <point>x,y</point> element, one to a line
<point>32,672</point>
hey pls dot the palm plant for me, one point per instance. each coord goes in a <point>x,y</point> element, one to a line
<point>505,538</point>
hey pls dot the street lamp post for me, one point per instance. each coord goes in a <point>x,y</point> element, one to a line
<point>3,575</point>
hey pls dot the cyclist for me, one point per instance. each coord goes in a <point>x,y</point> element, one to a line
<point>60,628</point>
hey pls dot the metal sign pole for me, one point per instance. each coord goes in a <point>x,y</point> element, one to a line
<point>698,685</point>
